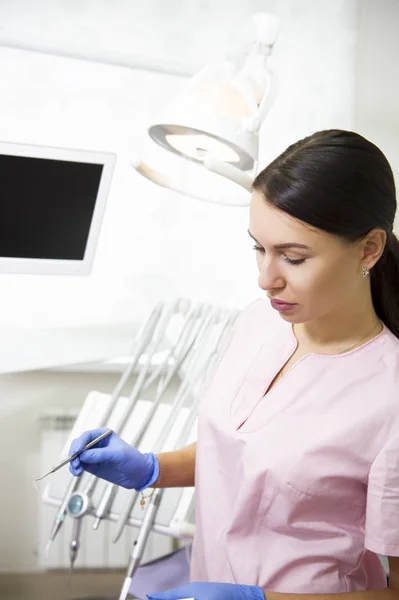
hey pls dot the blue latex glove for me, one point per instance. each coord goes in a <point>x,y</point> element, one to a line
<point>211,591</point>
<point>114,460</point>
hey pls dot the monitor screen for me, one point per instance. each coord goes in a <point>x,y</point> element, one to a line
<point>52,202</point>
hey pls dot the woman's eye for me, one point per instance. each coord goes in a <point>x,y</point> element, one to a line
<point>292,261</point>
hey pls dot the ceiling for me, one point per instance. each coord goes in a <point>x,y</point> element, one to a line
<point>173,36</point>
<point>176,36</point>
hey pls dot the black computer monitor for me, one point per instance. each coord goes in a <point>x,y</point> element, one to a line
<point>52,202</point>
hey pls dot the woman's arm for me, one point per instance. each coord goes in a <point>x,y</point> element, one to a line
<point>177,469</point>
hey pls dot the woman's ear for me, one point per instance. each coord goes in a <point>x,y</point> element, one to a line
<point>372,247</point>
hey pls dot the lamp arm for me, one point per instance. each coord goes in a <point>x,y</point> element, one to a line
<point>267,101</point>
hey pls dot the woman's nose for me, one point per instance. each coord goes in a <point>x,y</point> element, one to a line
<point>270,277</point>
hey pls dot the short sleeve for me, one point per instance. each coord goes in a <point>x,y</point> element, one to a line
<point>382,510</point>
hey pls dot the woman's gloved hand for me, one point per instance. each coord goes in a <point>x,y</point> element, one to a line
<point>211,591</point>
<point>114,460</point>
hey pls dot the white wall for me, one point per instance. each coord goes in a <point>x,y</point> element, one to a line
<point>377,78</point>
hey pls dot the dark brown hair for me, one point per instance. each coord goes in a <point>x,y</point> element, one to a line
<point>340,182</point>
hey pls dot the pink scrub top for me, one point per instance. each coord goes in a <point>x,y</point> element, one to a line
<point>297,490</point>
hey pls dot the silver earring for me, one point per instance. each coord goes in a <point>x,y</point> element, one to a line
<point>365,271</point>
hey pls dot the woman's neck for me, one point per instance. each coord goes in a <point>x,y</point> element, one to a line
<point>348,326</point>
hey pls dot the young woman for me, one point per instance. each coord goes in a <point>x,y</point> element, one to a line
<point>296,466</point>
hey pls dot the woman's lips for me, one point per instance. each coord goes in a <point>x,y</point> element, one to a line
<point>281,306</point>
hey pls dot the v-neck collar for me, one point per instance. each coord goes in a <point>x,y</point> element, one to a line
<point>253,389</point>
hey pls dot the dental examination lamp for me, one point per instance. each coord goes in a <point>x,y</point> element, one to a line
<point>205,144</point>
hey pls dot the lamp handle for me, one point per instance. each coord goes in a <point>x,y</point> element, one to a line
<point>229,171</point>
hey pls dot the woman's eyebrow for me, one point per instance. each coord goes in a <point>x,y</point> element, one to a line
<point>282,246</point>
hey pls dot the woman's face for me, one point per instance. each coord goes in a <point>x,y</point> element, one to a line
<point>315,273</point>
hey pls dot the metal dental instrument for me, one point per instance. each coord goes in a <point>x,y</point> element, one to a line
<point>142,340</point>
<point>77,506</point>
<point>175,408</point>
<point>184,346</point>
<point>111,490</point>
<point>74,547</point>
<point>193,374</point>
<point>79,502</point>
<point>156,338</point>
<point>84,498</point>
<point>71,458</point>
